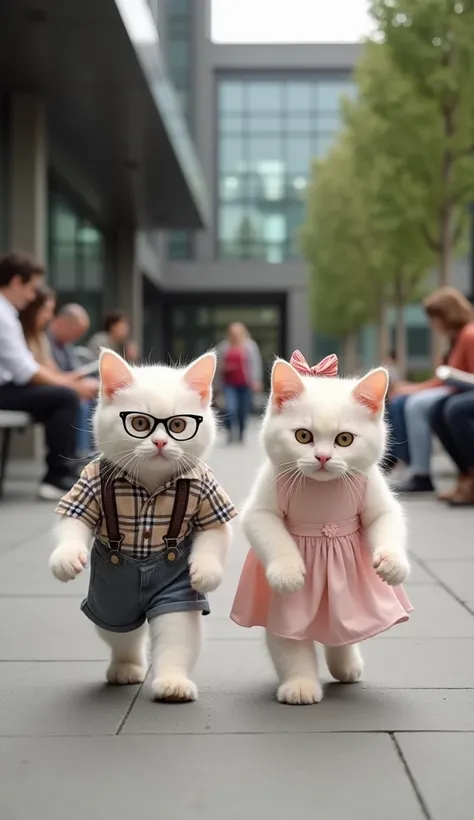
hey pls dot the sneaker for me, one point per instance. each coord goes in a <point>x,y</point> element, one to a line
<point>54,489</point>
<point>416,484</point>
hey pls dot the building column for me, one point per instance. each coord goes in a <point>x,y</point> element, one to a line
<point>129,281</point>
<point>299,335</point>
<point>28,175</point>
<point>28,206</point>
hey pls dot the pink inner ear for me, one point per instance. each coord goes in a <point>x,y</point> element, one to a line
<point>371,390</point>
<point>286,384</point>
<point>199,376</point>
<point>115,374</point>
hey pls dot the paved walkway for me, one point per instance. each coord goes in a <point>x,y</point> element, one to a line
<point>398,745</point>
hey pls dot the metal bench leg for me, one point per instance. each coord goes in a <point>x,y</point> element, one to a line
<point>4,453</point>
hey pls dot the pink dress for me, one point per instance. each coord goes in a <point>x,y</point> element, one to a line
<point>343,600</point>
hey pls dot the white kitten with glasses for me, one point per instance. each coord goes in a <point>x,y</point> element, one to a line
<point>152,425</point>
<point>328,537</point>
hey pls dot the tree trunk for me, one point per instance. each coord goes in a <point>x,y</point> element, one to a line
<point>400,328</point>
<point>382,330</point>
<point>446,245</point>
<point>349,353</point>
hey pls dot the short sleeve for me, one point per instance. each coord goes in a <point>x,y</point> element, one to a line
<point>215,506</point>
<point>82,501</point>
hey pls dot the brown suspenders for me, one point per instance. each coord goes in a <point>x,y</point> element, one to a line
<point>109,504</point>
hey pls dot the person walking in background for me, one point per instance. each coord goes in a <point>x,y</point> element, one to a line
<point>115,336</point>
<point>452,421</point>
<point>451,314</point>
<point>240,376</point>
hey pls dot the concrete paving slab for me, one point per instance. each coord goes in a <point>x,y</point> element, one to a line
<point>437,531</point>
<point>60,699</point>
<point>227,777</point>
<point>458,577</point>
<point>25,572</point>
<point>241,708</point>
<point>47,629</point>
<point>441,765</point>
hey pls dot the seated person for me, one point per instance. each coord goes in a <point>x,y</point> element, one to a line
<point>116,336</point>
<point>50,397</point>
<point>452,421</point>
<point>451,314</point>
<point>66,328</point>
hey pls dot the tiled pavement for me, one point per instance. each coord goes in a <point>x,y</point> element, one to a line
<point>398,745</point>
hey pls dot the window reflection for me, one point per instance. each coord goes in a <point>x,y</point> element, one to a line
<point>76,257</point>
<point>269,133</point>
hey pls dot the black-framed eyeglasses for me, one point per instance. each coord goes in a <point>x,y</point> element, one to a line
<point>142,425</point>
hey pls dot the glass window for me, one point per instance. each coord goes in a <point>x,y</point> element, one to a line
<point>231,96</point>
<point>270,131</point>
<point>265,96</point>
<point>299,96</point>
<point>231,154</point>
<point>76,257</point>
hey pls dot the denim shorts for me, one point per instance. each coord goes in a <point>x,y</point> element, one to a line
<point>121,597</point>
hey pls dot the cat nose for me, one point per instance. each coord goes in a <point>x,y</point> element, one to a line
<point>160,443</point>
<point>323,459</point>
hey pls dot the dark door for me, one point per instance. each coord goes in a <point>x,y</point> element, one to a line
<point>192,325</point>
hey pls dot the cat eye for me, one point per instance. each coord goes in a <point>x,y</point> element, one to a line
<point>142,425</point>
<point>344,439</point>
<point>303,436</point>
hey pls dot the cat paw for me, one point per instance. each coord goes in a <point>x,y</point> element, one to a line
<point>205,574</point>
<point>68,561</point>
<point>174,689</point>
<point>285,575</point>
<point>391,567</point>
<point>125,674</point>
<point>345,663</point>
<point>300,691</point>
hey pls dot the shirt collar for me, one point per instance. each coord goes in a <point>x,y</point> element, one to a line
<point>196,472</point>
<point>6,303</point>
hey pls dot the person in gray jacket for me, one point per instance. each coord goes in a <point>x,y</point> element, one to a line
<point>239,376</point>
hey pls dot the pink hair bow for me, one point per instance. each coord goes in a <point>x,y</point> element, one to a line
<point>326,367</point>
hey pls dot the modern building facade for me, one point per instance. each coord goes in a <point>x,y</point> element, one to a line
<point>258,115</point>
<point>95,152</point>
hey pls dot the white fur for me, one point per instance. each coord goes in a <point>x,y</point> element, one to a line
<point>326,407</point>
<point>175,638</point>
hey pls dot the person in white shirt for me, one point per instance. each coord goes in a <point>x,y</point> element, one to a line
<point>50,397</point>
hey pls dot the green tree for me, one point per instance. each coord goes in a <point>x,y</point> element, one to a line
<point>392,196</point>
<point>424,95</point>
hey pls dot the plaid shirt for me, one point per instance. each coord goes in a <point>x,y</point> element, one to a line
<point>144,519</point>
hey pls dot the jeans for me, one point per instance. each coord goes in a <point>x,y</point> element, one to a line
<point>452,421</point>
<point>57,409</point>
<point>85,440</point>
<point>237,407</point>
<point>397,447</point>
<point>417,419</point>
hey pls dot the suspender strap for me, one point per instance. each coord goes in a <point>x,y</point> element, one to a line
<point>179,511</point>
<point>109,505</point>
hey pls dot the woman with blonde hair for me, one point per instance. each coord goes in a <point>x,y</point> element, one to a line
<point>451,314</point>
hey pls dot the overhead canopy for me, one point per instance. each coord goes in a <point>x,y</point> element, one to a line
<point>99,65</point>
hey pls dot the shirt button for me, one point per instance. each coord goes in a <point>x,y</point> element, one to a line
<point>147,534</point>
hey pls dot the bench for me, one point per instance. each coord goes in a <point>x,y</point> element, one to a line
<point>9,420</point>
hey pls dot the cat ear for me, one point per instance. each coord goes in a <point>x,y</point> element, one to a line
<point>114,373</point>
<point>286,384</point>
<point>372,389</point>
<point>199,375</point>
